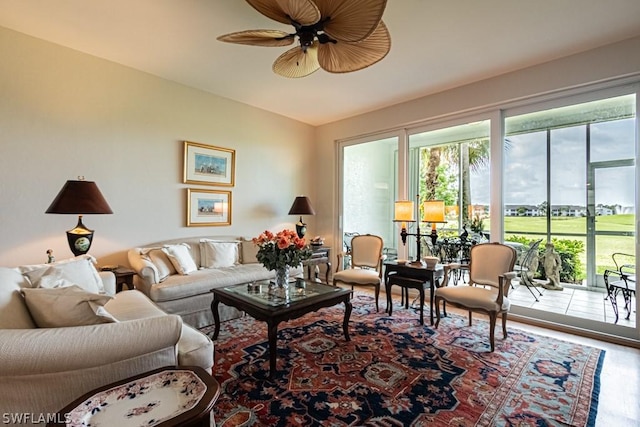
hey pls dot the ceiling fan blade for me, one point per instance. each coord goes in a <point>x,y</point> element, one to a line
<point>259,38</point>
<point>296,63</point>
<point>343,57</point>
<point>352,20</point>
<point>303,12</point>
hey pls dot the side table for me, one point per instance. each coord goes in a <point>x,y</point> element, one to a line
<point>321,255</point>
<point>415,273</point>
<point>124,276</point>
<point>168,396</point>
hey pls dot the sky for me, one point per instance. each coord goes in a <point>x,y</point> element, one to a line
<point>525,167</point>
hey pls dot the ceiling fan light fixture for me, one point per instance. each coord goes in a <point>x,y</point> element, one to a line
<point>338,36</point>
<point>296,62</point>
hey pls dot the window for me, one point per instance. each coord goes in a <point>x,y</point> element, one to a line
<point>570,179</point>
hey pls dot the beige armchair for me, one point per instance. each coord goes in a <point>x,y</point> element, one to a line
<point>366,264</point>
<point>490,274</point>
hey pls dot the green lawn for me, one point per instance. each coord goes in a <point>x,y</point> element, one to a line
<point>605,245</point>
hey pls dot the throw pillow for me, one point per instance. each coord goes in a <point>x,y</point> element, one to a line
<point>180,257</point>
<point>80,271</point>
<point>13,311</point>
<point>217,254</point>
<point>249,252</point>
<point>68,306</point>
<point>160,260</point>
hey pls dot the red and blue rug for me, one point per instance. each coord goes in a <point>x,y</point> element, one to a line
<point>395,372</point>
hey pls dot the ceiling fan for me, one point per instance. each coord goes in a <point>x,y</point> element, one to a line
<point>338,36</point>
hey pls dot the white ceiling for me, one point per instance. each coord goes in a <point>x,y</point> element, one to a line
<point>435,45</point>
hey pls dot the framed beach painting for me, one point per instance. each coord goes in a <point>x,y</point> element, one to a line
<point>208,207</point>
<point>206,164</point>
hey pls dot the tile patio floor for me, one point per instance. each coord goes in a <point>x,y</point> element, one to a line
<point>574,301</point>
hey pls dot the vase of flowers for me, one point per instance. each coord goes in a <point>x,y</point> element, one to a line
<point>280,252</point>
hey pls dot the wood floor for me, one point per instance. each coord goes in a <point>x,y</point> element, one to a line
<point>619,401</point>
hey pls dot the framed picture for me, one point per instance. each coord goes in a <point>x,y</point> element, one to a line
<point>208,207</point>
<point>206,164</point>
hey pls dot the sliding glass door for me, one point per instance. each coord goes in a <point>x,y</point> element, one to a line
<point>570,179</point>
<point>452,164</point>
<point>369,188</point>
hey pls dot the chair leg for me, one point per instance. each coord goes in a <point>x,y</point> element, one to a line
<point>421,290</point>
<point>504,324</point>
<point>377,296</point>
<point>492,326</point>
<point>437,304</point>
<point>626,294</point>
<point>470,321</point>
<point>613,295</point>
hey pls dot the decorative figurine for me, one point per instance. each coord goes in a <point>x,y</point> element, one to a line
<point>50,257</point>
<point>552,266</point>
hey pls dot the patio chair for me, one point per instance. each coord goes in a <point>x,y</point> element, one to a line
<point>622,280</point>
<point>490,274</point>
<point>366,264</point>
<point>527,266</point>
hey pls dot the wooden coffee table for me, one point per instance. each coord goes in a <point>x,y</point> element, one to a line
<point>273,305</point>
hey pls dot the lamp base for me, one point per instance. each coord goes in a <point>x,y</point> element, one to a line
<point>80,238</point>
<point>301,229</point>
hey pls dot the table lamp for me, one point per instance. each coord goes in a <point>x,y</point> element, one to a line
<point>301,206</point>
<point>404,213</point>
<point>434,214</point>
<point>79,197</point>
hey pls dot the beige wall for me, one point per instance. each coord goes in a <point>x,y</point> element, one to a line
<point>597,65</point>
<point>65,114</point>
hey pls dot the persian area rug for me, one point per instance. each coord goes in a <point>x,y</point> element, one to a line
<point>395,372</point>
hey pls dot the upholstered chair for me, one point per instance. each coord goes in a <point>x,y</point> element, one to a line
<point>366,264</point>
<point>490,274</point>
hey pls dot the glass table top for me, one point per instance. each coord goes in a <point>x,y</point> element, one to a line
<point>266,293</point>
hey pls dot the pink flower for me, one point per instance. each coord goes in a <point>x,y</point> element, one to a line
<point>283,243</point>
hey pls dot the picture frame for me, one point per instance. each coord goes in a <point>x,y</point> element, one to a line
<point>209,165</point>
<point>207,208</point>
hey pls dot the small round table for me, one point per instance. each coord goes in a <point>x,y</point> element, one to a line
<point>168,396</point>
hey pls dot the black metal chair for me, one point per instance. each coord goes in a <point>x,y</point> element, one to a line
<point>347,236</point>
<point>622,280</point>
<point>527,266</point>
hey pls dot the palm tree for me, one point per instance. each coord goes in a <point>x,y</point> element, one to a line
<point>470,155</point>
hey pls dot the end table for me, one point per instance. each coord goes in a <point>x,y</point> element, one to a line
<point>124,276</point>
<point>321,255</point>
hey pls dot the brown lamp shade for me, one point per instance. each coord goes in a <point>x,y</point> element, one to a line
<point>301,206</point>
<point>79,198</point>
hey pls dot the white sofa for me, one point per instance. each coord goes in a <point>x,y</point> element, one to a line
<point>189,295</point>
<point>42,369</point>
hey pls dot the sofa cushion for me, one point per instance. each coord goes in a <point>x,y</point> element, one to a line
<point>15,314</point>
<point>66,306</point>
<point>180,257</point>
<point>160,260</point>
<point>217,254</point>
<point>77,271</point>
<point>202,281</point>
<point>249,252</point>
<point>194,348</point>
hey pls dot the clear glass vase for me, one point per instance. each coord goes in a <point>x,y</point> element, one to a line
<point>282,277</point>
